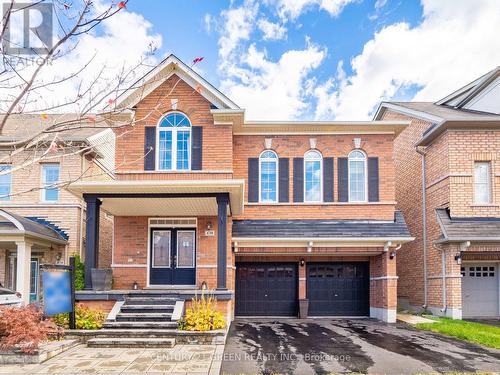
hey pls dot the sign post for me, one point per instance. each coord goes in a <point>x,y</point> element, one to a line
<point>59,290</point>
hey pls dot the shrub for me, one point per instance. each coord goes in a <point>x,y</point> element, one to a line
<point>23,328</point>
<point>86,318</point>
<point>79,273</point>
<point>201,316</point>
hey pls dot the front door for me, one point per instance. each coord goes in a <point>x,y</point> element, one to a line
<point>173,256</point>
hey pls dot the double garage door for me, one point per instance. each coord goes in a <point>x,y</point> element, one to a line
<point>271,289</point>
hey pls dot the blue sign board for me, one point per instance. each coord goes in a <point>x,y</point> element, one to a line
<point>56,292</point>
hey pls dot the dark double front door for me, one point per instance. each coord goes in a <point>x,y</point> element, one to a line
<point>172,256</point>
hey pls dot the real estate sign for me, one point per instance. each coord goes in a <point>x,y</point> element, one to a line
<point>56,292</point>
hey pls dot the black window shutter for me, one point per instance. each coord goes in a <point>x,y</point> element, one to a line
<point>284,177</point>
<point>328,180</point>
<point>373,188</point>
<point>253,179</point>
<point>196,148</point>
<point>149,148</point>
<point>343,180</point>
<point>298,180</point>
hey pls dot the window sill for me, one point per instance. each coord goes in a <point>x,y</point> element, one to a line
<point>487,205</point>
<point>319,203</point>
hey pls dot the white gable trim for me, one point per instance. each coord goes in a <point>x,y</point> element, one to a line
<point>163,71</point>
<point>405,111</point>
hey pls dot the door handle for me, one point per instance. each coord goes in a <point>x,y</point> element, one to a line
<point>174,263</point>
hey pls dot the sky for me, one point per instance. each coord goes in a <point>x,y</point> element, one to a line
<point>306,59</point>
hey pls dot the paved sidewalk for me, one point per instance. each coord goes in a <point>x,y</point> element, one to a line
<point>181,359</point>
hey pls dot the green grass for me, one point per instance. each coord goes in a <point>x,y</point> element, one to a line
<point>469,331</point>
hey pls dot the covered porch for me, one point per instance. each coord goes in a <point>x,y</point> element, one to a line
<point>168,234</point>
<point>25,243</point>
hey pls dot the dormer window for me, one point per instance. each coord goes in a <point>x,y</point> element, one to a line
<point>174,143</point>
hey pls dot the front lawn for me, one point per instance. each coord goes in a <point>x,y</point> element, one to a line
<point>469,331</point>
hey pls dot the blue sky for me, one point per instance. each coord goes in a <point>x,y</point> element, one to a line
<point>300,59</point>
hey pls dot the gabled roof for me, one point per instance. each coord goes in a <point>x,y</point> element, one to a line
<point>479,229</point>
<point>464,95</point>
<point>163,71</point>
<point>39,228</point>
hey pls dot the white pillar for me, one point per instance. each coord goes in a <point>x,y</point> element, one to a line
<point>23,270</point>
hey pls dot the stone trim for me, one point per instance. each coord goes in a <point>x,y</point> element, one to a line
<point>384,278</point>
<point>385,315</point>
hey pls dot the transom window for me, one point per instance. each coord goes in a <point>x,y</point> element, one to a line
<point>357,176</point>
<point>174,143</point>
<point>313,174</point>
<point>268,173</point>
<point>482,182</point>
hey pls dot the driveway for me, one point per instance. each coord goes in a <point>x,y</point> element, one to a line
<point>323,346</point>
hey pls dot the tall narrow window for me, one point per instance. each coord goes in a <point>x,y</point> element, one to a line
<point>50,177</point>
<point>313,174</point>
<point>357,176</point>
<point>268,173</point>
<point>482,182</point>
<point>5,182</point>
<point>174,143</point>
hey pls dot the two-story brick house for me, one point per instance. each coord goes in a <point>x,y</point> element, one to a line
<point>264,213</point>
<point>449,191</point>
<point>40,221</point>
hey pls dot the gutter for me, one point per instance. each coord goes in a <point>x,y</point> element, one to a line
<point>424,224</point>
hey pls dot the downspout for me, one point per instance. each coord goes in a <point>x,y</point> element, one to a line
<point>443,276</point>
<point>424,224</point>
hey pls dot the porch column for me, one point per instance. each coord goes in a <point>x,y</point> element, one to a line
<point>222,201</point>
<point>383,287</point>
<point>91,238</point>
<point>23,270</point>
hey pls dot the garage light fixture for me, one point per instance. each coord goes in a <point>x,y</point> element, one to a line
<point>302,262</point>
<point>458,259</point>
<point>392,255</point>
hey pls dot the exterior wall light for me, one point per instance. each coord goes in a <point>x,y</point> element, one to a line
<point>458,259</point>
<point>302,262</point>
<point>135,286</point>
<point>204,285</point>
<point>392,255</point>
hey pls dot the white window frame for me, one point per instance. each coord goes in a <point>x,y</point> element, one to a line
<point>276,161</point>
<point>44,190</point>
<point>320,159</point>
<point>488,183</point>
<point>174,131</point>
<point>7,197</point>
<point>365,160</point>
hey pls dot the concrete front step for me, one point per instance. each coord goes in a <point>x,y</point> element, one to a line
<point>141,317</point>
<point>141,325</point>
<point>147,308</point>
<point>131,342</point>
<point>157,300</point>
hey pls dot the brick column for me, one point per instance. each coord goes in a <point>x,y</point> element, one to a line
<point>383,287</point>
<point>222,203</point>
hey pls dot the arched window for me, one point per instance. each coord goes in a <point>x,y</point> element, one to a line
<point>268,176</point>
<point>173,143</point>
<point>357,176</point>
<point>313,176</point>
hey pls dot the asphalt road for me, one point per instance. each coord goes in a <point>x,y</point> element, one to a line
<point>324,346</point>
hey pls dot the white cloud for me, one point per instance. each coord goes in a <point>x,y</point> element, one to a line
<point>380,4</point>
<point>274,90</point>
<point>291,9</point>
<point>108,55</point>
<point>272,31</point>
<point>238,25</point>
<point>207,22</point>
<point>456,42</point>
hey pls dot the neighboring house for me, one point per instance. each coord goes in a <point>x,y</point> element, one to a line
<point>447,166</point>
<point>40,221</point>
<point>264,213</point>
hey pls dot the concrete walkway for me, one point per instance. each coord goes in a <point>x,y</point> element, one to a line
<point>181,359</point>
<point>413,319</point>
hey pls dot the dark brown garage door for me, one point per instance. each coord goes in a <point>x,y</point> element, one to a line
<point>340,289</point>
<point>266,289</point>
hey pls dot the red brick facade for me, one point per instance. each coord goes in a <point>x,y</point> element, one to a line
<point>225,157</point>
